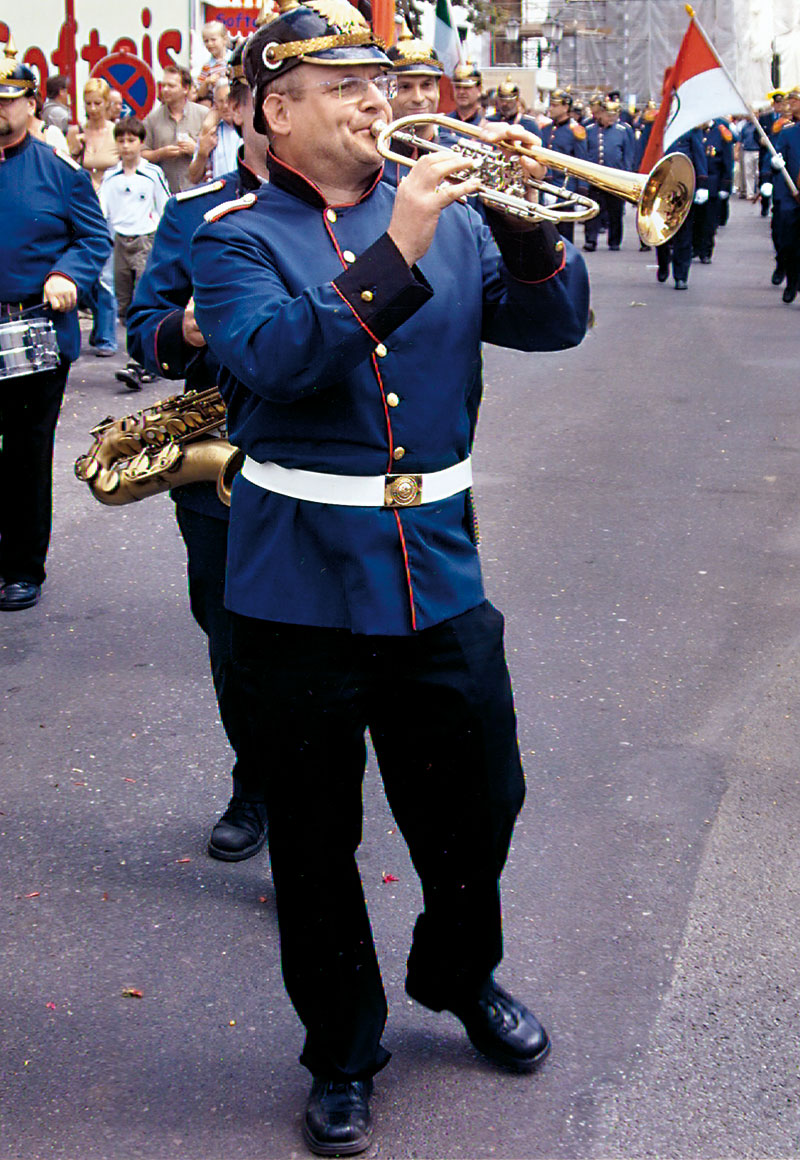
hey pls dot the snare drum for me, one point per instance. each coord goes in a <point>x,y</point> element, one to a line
<point>27,345</point>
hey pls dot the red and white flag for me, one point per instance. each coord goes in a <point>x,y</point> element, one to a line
<point>696,89</point>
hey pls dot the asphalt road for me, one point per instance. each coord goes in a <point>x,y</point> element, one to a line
<point>639,503</point>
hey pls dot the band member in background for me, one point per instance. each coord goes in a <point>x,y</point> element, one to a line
<point>353,579</point>
<point>718,146</point>
<point>53,244</point>
<point>466,83</point>
<point>418,71</point>
<point>163,336</point>
<point>677,252</point>
<point>565,135</point>
<point>609,143</point>
<point>509,107</point>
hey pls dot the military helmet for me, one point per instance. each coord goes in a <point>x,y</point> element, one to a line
<point>16,78</point>
<point>329,32</point>
<point>508,88</point>
<point>776,95</point>
<point>597,98</point>
<point>415,58</point>
<point>466,74</point>
<point>561,97</point>
<point>235,67</point>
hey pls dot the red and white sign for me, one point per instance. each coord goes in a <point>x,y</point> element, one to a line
<point>72,37</point>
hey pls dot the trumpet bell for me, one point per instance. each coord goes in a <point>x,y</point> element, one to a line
<point>666,199</point>
<point>662,197</point>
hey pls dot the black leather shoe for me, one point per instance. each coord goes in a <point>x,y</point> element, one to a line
<point>644,248</point>
<point>19,594</point>
<point>614,248</point>
<point>240,832</point>
<point>777,276</point>
<point>789,292</point>
<point>662,275</point>
<point>705,261</point>
<point>503,1029</point>
<point>590,247</point>
<point>337,1121</point>
<point>681,284</point>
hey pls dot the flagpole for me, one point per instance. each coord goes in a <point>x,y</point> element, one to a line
<point>759,128</point>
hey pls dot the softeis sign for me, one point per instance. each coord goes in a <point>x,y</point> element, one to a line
<point>81,38</point>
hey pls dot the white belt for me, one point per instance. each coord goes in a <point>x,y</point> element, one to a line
<point>360,490</point>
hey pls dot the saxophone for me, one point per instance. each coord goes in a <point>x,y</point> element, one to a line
<point>174,442</point>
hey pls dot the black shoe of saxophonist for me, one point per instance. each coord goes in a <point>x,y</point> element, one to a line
<point>134,375</point>
<point>240,832</point>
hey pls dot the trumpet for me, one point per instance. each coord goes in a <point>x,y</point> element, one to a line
<point>663,197</point>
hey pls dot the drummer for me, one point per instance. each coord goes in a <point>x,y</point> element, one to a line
<point>53,244</point>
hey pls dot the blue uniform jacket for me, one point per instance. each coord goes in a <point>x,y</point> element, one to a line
<point>52,224</point>
<point>569,139</point>
<point>612,146</point>
<point>447,137</point>
<point>691,144</point>
<point>718,143</point>
<point>340,358</point>
<point>155,318</point>
<point>787,143</point>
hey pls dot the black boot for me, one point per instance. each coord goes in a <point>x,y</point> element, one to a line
<point>790,291</point>
<point>337,1121</point>
<point>240,832</point>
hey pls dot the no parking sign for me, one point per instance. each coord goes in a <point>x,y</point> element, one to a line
<point>131,77</point>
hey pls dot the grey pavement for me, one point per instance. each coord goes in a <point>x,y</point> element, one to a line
<point>639,502</point>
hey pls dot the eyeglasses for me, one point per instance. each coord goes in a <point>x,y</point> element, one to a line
<point>353,89</point>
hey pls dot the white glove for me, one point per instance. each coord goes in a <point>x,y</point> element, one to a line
<point>777,161</point>
<point>701,196</point>
<point>723,195</point>
<point>766,189</point>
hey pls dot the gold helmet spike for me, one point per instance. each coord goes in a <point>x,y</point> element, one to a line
<point>11,48</point>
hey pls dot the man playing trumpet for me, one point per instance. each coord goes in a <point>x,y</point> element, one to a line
<point>354,582</point>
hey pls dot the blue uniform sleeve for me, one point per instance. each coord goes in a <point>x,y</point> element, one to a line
<point>536,287</point>
<point>155,318</point>
<point>90,242</point>
<point>628,149</point>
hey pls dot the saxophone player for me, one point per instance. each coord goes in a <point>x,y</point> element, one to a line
<point>163,337</point>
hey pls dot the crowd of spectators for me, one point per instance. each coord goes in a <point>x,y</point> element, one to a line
<point>189,137</point>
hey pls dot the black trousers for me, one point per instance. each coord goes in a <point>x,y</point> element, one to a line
<point>705,222</point>
<point>678,251</point>
<point>206,540</point>
<point>787,237</point>
<point>613,207</point>
<point>29,409</point>
<point>440,713</point>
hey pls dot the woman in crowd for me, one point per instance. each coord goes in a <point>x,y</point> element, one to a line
<point>94,147</point>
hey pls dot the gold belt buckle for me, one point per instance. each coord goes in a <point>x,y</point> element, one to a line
<point>402,491</point>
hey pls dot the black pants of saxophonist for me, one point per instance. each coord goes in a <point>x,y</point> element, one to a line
<point>29,409</point>
<point>439,709</point>
<point>206,540</point>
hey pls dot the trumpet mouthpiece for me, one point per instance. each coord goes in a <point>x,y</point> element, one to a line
<point>377,127</point>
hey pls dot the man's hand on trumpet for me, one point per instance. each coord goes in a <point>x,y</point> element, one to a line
<point>421,197</point>
<point>498,133</point>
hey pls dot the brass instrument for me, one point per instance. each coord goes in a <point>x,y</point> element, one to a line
<point>161,447</point>
<point>663,197</point>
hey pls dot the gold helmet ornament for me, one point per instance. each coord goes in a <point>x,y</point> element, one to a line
<point>329,32</point>
<point>414,58</point>
<point>16,78</point>
<point>508,88</point>
<point>466,74</point>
